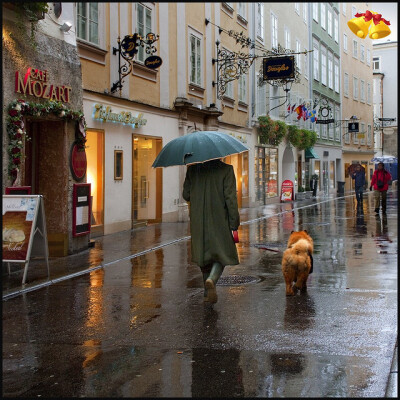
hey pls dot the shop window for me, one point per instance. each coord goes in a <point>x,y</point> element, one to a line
<point>95,174</point>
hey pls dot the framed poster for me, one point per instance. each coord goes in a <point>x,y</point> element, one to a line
<point>24,230</point>
<point>82,208</point>
<point>118,164</point>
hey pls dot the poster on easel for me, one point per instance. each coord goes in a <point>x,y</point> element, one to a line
<point>287,191</point>
<point>24,230</point>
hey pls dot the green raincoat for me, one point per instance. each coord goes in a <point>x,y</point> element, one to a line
<point>210,188</point>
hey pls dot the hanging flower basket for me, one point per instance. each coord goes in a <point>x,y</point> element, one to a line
<point>271,132</point>
<point>17,110</point>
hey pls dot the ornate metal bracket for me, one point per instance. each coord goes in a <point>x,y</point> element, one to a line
<point>127,49</point>
<point>230,66</point>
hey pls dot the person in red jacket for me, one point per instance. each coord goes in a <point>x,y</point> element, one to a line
<point>380,182</point>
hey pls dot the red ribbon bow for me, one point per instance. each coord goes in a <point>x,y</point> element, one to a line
<point>375,17</point>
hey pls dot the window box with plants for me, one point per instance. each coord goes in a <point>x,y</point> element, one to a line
<point>271,132</point>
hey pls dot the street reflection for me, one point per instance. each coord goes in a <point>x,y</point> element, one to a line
<point>299,312</point>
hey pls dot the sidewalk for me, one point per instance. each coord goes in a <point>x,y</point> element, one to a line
<point>113,248</point>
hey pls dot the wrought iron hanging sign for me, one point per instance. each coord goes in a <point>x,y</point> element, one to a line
<point>325,113</point>
<point>278,68</point>
<point>128,48</point>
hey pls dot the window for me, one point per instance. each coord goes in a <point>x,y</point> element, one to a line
<point>353,12</point>
<point>274,31</point>
<point>331,127</point>
<point>346,84</point>
<point>298,56</point>
<point>305,12</point>
<point>337,89</point>
<point>362,91</point>
<point>355,48</point>
<point>242,10</point>
<point>362,53</point>
<point>336,33</point>
<point>355,138</point>
<point>261,98</point>
<point>243,88</point>
<point>344,6</point>
<point>195,59</point>
<point>323,65</point>
<point>144,26</point>
<point>376,63</point>
<point>324,133</point>
<point>355,88</point>
<point>369,135</point>
<point>306,65</point>
<point>323,15</point>
<point>87,17</point>
<point>316,62</point>
<point>368,93</point>
<point>344,42</point>
<point>260,20</point>
<point>362,141</point>
<point>337,125</point>
<point>330,71</point>
<point>347,138</point>
<point>315,11</point>
<point>287,38</point>
<point>368,57</point>
<point>329,23</point>
<point>297,8</point>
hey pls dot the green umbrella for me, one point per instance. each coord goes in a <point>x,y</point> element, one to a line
<point>198,147</point>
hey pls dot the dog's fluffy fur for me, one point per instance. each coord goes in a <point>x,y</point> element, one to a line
<point>297,261</point>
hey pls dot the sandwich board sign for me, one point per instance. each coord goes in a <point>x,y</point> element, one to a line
<point>24,230</point>
<point>287,191</point>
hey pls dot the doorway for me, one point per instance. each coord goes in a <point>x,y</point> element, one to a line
<point>46,171</point>
<point>146,182</point>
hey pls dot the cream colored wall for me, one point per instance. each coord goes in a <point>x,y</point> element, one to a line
<point>173,61</point>
<point>362,71</point>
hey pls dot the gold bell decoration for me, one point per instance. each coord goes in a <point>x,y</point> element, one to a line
<point>362,22</point>
<point>379,31</point>
<point>359,26</point>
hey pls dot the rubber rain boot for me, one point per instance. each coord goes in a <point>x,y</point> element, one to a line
<point>205,276</point>
<point>211,282</point>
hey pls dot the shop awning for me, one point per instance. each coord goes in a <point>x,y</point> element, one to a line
<point>310,153</point>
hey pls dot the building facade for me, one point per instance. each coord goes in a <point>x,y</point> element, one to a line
<point>325,61</point>
<point>356,95</point>
<point>385,102</point>
<point>42,93</point>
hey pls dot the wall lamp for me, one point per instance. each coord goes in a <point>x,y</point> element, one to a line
<point>65,27</point>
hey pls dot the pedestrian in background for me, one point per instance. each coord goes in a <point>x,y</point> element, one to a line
<point>359,183</point>
<point>210,187</point>
<point>380,183</point>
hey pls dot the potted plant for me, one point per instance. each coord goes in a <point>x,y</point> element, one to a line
<point>300,195</point>
<point>308,192</point>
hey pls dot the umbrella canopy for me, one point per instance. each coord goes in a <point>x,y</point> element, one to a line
<point>197,147</point>
<point>384,159</point>
<point>352,168</point>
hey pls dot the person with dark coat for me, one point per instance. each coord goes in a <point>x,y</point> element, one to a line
<point>380,183</point>
<point>359,183</point>
<point>210,190</point>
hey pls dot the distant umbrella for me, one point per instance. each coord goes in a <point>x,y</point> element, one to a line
<point>198,147</point>
<point>352,168</point>
<point>385,159</point>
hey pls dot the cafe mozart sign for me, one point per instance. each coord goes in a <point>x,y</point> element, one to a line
<point>35,82</point>
<point>105,114</point>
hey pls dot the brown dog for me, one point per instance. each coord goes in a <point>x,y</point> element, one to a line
<point>297,261</point>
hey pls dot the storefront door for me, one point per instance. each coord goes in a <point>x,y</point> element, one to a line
<point>147,181</point>
<point>95,174</point>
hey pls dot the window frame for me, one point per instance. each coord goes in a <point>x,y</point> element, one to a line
<point>287,38</point>
<point>355,88</point>
<point>274,35</point>
<point>362,52</point>
<point>242,88</point>
<point>316,68</point>
<point>362,91</point>
<point>260,16</point>
<point>305,13</point>
<point>336,29</point>
<point>242,10</point>
<point>368,57</point>
<point>336,67</point>
<point>369,93</point>
<point>345,43</point>
<point>330,70</point>
<point>355,49</point>
<point>141,55</point>
<point>199,38</point>
<point>330,25</point>
<point>100,22</point>
<point>346,84</point>
<point>324,65</point>
<point>298,56</point>
<point>297,8</point>
<point>378,60</point>
<point>323,16</point>
<point>315,12</point>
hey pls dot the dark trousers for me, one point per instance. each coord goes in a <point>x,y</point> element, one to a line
<point>359,193</point>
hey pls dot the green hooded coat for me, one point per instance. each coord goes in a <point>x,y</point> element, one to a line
<point>210,188</point>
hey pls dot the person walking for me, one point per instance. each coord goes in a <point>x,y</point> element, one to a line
<point>210,190</point>
<point>359,183</point>
<point>380,183</point>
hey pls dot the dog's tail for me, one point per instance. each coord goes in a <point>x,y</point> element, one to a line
<point>302,246</point>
